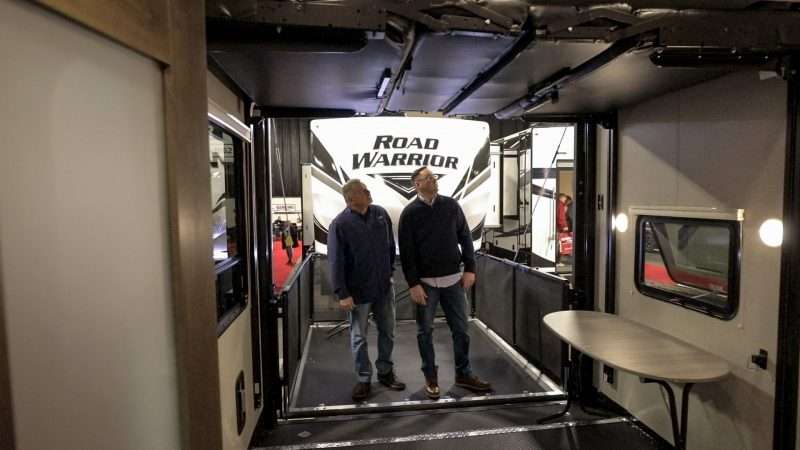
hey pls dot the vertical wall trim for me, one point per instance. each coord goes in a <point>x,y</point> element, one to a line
<point>268,323</point>
<point>787,366</point>
<point>611,212</point>
<point>6,413</point>
<point>585,195</point>
<point>253,275</point>
<point>186,125</point>
<point>586,221</point>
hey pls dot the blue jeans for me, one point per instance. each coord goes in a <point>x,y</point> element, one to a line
<point>454,304</point>
<point>383,312</point>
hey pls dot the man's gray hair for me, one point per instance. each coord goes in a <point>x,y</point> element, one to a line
<point>347,189</point>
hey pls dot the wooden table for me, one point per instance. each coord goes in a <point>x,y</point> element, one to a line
<point>629,346</point>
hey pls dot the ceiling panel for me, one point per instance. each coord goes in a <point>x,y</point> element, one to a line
<point>442,64</point>
<point>539,61</point>
<point>629,79</point>
<point>310,79</point>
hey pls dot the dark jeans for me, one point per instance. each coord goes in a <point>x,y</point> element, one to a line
<point>454,305</point>
<point>384,314</point>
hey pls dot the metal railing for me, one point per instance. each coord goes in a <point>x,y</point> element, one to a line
<point>295,306</point>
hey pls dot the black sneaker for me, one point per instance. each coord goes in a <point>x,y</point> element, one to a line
<point>473,383</point>
<point>390,380</point>
<point>361,391</point>
<point>432,388</point>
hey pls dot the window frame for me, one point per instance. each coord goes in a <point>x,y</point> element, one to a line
<point>236,265</point>
<point>734,266</point>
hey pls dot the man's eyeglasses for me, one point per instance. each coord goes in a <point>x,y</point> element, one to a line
<point>430,177</point>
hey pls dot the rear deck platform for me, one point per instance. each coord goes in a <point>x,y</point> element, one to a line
<point>326,375</point>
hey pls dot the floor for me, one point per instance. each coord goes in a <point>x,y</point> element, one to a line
<point>502,427</point>
<point>328,374</point>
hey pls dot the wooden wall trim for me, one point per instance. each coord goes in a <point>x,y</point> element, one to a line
<point>142,25</point>
<point>186,122</point>
<point>6,415</point>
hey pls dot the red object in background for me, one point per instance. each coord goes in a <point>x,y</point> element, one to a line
<point>565,244</point>
<point>280,269</point>
<point>561,217</point>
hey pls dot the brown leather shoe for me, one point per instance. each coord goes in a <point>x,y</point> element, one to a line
<point>390,380</point>
<point>361,391</point>
<point>432,388</point>
<point>473,383</point>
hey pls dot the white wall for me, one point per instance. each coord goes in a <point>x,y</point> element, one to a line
<point>84,239</point>
<point>719,144</point>
<point>235,356</point>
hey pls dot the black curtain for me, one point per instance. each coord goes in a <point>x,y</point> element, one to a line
<point>292,147</point>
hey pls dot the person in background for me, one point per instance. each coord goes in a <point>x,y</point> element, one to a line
<point>432,227</point>
<point>289,240</point>
<point>563,217</point>
<point>361,252</point>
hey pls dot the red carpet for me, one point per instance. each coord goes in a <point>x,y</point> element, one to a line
<point>657,273</point>
<point>281,270</point>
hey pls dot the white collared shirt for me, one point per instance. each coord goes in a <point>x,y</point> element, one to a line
<point>442,282</point>
<point>426,202</point>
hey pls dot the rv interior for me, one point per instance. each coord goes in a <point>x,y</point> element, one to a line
<point>636,257</point>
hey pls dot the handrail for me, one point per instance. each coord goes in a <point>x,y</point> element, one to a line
<point>523,267</point>
<point>295,275</point>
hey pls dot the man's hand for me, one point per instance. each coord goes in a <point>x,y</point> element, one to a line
<point>467,280</point>
<point>347,304</point>
<point>418,295</point>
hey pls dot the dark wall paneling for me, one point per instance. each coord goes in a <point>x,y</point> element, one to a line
<point>788,359</point>
<point>494,297</point>
<point>537,295</point>
<point>292,141</point>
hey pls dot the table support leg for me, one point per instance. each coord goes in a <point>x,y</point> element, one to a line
<point>678,430</point>
<point>685,412</point>
<point>571,371</point>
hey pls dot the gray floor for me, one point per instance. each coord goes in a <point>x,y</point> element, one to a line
<point>614,436</point>
<point>328,376</point>
<point>503,427</point>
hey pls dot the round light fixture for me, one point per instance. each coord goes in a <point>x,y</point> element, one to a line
<point>620,223</point>
<point>771,232</point>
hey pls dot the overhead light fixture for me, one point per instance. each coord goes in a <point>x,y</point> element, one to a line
<point>550,98</point>
<point>383,83</point>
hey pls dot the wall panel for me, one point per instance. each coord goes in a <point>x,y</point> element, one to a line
<point>84,230</point>
<point>719,144</point>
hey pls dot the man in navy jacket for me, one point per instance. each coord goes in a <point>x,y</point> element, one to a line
<point>361,253</point>
<point>431,229</point>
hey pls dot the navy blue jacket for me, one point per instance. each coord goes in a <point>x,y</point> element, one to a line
<point>361,253</point>
<point>429,239</point>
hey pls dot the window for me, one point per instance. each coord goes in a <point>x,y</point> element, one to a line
<point>227,206</point>
<point>693,263</point>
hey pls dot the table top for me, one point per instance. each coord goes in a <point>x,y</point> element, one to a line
<point>635,348</point>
